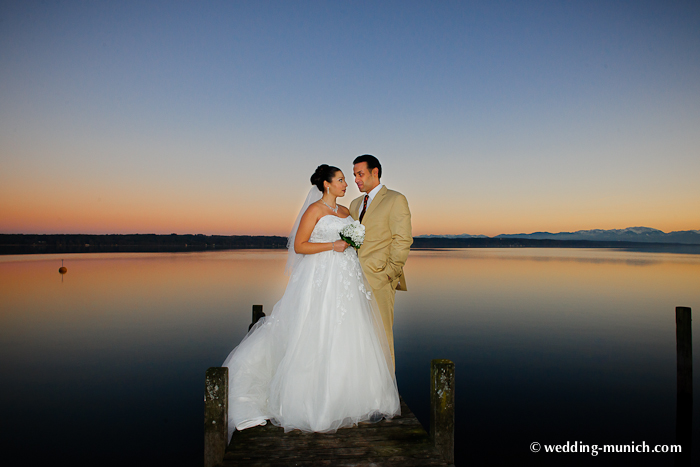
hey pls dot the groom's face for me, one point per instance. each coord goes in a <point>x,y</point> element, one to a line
<point>366,181</point>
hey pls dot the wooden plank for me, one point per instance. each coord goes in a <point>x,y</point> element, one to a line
<point>401,441</point>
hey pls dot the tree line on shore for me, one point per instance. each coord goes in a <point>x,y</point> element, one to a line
<point>20,244</point>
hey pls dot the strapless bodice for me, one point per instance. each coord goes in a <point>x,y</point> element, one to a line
<point>328,228</point>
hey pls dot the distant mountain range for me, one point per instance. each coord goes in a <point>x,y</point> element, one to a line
<point>630,234</point>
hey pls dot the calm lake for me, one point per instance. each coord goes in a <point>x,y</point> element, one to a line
<point>105,365</point>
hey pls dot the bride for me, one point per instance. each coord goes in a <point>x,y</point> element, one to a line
<point>320,361</point>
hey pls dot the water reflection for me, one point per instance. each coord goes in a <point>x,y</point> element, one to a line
<point>550,345</point>
<point>117,352</point>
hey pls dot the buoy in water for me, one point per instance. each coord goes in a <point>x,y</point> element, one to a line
<point>62,269</point>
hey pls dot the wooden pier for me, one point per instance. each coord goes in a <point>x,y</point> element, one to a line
<point>401,441</point>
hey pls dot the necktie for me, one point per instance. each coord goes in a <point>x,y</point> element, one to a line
<point>364,208</point>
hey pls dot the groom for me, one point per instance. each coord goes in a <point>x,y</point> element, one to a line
<point>388,238</point>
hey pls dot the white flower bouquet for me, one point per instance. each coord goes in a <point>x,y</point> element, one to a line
<point>353,234</point>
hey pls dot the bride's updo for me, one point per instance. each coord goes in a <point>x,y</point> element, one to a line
<point>324,173</point>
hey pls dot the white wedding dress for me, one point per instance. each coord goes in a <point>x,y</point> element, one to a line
<point>320,361</point>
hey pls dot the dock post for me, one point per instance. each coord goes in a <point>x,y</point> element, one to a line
<point>684,384</point>
<point>215,415</point>
<point>257,314</point>
<point>684,351</point>
<point>442,408</point>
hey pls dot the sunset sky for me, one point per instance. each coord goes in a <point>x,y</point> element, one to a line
<point>210,116</point>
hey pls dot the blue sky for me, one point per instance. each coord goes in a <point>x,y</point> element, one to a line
<point>492,117</point>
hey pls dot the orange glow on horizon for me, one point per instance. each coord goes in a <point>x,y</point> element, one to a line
<point>52,210</point>
<point>46,220</point>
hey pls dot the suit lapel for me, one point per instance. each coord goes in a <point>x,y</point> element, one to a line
<point>375,202</point>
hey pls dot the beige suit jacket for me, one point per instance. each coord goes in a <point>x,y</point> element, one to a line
<point>388,238</point>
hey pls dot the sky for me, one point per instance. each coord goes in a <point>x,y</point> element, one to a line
<point>210,116</point>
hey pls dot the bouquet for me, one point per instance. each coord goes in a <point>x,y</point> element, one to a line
<point>353,234</point>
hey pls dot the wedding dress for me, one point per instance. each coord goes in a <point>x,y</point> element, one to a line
<point>320,361</point>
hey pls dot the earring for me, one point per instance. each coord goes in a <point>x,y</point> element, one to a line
<point>328,189</point>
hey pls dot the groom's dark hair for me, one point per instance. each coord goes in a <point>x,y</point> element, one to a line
<point>372,163</point>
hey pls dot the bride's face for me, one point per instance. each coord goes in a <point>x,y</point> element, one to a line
<point>338,185</point>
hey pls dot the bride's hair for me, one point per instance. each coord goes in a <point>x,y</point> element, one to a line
<point>324,173</point>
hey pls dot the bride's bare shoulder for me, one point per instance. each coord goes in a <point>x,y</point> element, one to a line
<point>343,210</point>
<point>314,210</point>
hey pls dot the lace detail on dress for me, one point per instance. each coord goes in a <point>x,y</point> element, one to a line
<point>319,274</point>
<point>328,229</point>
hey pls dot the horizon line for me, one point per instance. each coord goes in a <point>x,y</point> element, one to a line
<point>697,231</point>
